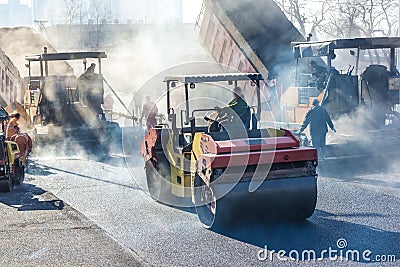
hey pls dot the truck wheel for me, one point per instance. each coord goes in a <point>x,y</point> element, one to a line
<point>208,207</point>
<point>6,185</point>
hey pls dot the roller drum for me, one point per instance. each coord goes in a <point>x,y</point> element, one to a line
<point>288,198</point>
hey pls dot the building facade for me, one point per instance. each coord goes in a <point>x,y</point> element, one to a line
<point>14,14</point>
<point>49,11</point>
<point>55,12</point>
<point>151,11</point>
<point>11,84</point>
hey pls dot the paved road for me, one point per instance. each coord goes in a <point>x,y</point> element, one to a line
<point>38,229</point>
<point>360,208</point>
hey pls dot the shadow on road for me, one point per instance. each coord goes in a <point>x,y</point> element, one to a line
<point>363,169</point>
<point>45,167</point>
<point>113,160</point>
<point>318,234</point>
<point>35,169</point>
<point>27,197</point>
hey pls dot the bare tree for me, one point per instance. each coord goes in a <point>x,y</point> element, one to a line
<point>302,17</point>
<point>100,15</point>
<point>344,18</point>
<point>73,11</point>
<point>378,17</point>
<point>351,18</point>
<point>343,21</point>
<point>295,12</point>
<point>319,17</point>
<point>390,8</point>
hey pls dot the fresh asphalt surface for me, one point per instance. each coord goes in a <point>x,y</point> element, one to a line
<point>360,207</point>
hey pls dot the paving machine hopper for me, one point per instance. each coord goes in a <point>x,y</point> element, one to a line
<point>221,165</point>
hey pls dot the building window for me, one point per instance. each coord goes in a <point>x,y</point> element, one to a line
<point>2,80</point>
<point>11,91</point>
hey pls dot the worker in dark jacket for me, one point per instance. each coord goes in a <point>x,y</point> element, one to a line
<point>240,107</point>
<point>319,74</point>
<point>318,118</point>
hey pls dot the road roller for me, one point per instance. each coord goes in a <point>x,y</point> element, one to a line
<point>227,167</point>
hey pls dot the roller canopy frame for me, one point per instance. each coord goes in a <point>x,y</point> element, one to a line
<point>46,57</point>
<point>327,49</point>
<point>204,78</point>
<point>318,49</point>
<point>66,56</point>
<point>207,78</point>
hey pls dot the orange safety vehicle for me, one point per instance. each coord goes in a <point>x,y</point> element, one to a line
<point>229,169</point>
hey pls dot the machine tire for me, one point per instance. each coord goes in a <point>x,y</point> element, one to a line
<point>6,185</point>
<point>153,181</point>
<point>308,204</point>
<point>210,213</point>
<point>20,177</point>
<point>157,184</point>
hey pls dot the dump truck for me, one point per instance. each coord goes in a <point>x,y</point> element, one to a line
<point>14,152</point>
<point>206,158</point>
<point>65,108</point>
<point>251,36</point>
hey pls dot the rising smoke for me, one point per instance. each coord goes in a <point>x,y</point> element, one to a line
<point>136,55</point>
<point>22,41</point>
<point>133,56</point>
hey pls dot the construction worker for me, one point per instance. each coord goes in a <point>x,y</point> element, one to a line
<point>149,112</point>
<point>138,99</point>
<point>319,75</point>
<point>318,118</point>
<point>90,70</point>
<point>85,85</point>
<point>108,104</point>
<point>239,106</point>
<point>23,140</point>
<point>12,126</point>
